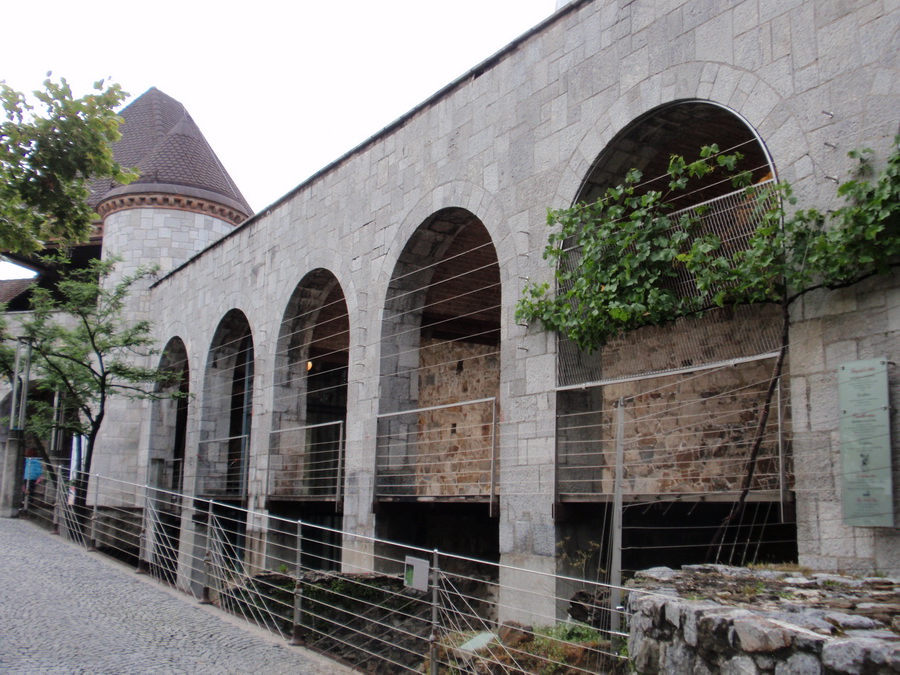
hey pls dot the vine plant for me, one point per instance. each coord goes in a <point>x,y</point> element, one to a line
<point>617,259</point>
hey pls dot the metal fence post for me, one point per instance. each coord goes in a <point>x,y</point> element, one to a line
<point>57,506</point>
<point>92,538</point>
<point>297,618</point>
<point>615,574</point>
<point>143,543</point>
<point>206,594</point>
<point>433,639</point>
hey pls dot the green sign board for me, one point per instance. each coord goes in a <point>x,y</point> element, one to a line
<point>867,490</point>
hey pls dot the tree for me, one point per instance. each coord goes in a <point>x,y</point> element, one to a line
<point>85,348</point>
<point>618,261</point>
<point>47,161</point>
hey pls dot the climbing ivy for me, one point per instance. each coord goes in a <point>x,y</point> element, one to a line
<point>617,259</point>
<point>621,261</point>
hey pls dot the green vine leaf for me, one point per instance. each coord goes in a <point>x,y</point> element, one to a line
<point>627,260</point>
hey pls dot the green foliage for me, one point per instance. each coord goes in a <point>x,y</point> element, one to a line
<point>618,259</point>
<point>571,632</point>
<point>48,159</point>
<point>549,650</point>
<point>792,254</point>
<point>585,562</point>
<point>85,348</point>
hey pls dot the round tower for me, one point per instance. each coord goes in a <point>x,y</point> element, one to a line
<point>182,201</point>
<point>183,198</point>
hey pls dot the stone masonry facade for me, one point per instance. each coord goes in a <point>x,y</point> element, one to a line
<point>513,137</point>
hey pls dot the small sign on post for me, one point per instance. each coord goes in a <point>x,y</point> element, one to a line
<point>867,490</point>
<point>415,573</point>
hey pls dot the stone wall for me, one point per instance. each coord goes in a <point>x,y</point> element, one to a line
<point>456,444</point>
<point>837,327</point>
<point>762,622</point>
<point>517,135</point>
<point>688,434</point>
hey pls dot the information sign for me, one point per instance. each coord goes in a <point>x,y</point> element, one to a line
<point>866,444</point>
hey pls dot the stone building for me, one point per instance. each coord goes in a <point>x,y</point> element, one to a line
<point>353,354</point>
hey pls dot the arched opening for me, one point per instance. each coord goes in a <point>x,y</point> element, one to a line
<point>440,376</point>
<point>672,410</point>
<point>223,456</point>
<point>678,128</point>
<point>227,411</point>
<point>306,447</point>
<point>166,459</point>
<point>169,420</point>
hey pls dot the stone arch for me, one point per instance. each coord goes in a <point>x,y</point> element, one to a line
<point>677,128</point>
<point>169,418</point>
<point>646,144</point>
<point>226,416</point>
<point>309,416</point>
<point>166,459</point>
<point>460,195</point>
<point>310,397</point>
<point>436,448</point>
<point>744,93</point>
<point>440,346</point>
<point>706,374</point>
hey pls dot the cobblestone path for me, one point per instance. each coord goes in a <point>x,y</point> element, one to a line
<point>64,610</point>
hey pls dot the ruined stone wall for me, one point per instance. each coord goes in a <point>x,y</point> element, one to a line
<point>689,433</point>
<point>455,444</point>
<point>762,622</point>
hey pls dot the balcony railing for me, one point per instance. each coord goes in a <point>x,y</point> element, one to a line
<point>222,467</point>
<point>686,440</point>
<point>309,462</point>
<point>444,451</point>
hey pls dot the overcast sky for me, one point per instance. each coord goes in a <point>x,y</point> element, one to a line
<point>279,89</point>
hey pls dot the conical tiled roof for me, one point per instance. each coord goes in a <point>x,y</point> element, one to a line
<point>10,289</point>
<point>161,141</point>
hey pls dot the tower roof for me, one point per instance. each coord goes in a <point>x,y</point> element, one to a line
<point>162,141</point>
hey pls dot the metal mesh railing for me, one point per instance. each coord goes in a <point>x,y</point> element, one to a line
<point>308,461</point>
<point>379,605</point>
<point>719,336</point>
<point>438,451</point>
<point>681,439</point>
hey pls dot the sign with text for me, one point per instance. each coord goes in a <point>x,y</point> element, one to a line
<point>867,491</point>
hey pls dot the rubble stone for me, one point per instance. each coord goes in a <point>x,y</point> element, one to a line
<point>775,623</point>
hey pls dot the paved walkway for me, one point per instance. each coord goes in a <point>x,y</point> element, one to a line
<point>64,610</point>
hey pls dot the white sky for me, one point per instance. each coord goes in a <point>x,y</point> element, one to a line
<point>279,88</point>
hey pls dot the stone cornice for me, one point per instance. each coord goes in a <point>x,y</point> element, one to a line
<point>161,200</point>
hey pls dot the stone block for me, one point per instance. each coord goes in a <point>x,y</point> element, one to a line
<point>755,635</point>
<point>800,664</point>
<point>739,665</point>
<point>851,656</point>
<point>807,348</point>
<point>823,401</point>
<point>840,352</point>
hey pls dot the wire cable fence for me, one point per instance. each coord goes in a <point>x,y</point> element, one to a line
<point>375,604</point>
<point>448,449</point>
